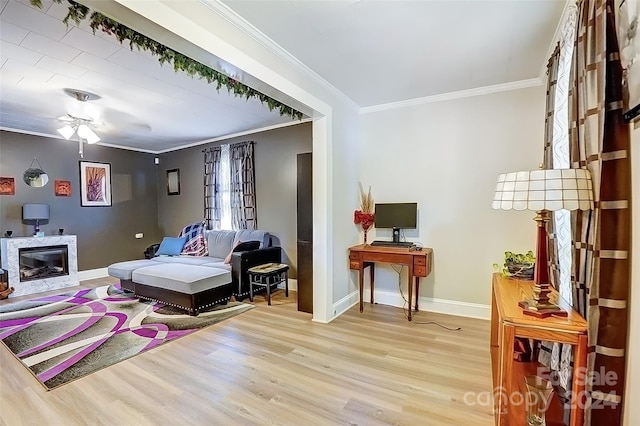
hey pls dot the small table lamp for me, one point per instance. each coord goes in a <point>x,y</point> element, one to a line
<point>543,191</point>
<point>35,212</point>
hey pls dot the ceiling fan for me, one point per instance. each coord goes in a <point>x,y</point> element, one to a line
<point>79,125</point>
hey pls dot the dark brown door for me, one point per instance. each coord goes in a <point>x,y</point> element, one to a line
<point>305,233</point>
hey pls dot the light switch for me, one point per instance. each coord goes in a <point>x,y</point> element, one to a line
<point>140,235</point>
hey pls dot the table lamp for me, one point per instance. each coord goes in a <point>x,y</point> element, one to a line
<point>35,212</point>
<point>543,191</point>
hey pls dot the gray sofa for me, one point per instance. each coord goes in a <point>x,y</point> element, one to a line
<point>196,282</point>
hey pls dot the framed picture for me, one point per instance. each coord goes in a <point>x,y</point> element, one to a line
<point>62,188</point>
<point>7,186</point>
<point>173,182</point>
<point>627,18</point>
<point>95,184</point>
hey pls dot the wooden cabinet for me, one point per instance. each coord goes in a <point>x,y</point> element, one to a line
<point>507,323</point>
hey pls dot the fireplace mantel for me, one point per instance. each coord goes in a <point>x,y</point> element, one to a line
<point>10,253</point>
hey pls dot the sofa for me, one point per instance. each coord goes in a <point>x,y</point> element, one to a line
<point>196,282</point>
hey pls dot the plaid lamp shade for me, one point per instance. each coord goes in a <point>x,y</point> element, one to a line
<point>569,189</point>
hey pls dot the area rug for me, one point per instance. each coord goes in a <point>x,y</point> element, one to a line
<point>64,337</point>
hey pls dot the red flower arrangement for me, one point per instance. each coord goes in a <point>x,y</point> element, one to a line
<point>364,217</point>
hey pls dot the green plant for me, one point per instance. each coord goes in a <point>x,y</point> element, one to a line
<point>518,265</point>
<point>97,21</point>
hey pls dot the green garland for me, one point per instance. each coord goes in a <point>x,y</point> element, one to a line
<point>78,12</point>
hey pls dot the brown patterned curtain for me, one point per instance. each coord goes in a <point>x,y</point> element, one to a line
<point>243,188</point>
<point>599,141</point>
<point>212,210</point>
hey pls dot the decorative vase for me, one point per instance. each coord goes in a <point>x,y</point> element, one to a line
<point>538,396</point>
<point>365,236</point>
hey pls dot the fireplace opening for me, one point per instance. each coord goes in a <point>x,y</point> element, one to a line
<point>37,263</point>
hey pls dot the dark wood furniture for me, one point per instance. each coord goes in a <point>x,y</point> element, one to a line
<point>508,322</point>
<point>419,263</point>
<point>268,275</point>
<point>243,260</point>
<point>192,303</point>
<point>305,232</point>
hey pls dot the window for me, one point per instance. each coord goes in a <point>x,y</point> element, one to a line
<point>225,188</point>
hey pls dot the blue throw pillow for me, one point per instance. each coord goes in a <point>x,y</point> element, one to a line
<point>171,246</point>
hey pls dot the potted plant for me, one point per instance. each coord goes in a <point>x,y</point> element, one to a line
<point>517,265</point>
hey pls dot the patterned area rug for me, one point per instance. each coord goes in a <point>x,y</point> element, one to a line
<point>62,338</point>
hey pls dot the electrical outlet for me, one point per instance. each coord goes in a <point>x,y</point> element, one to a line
<point>140,235</point>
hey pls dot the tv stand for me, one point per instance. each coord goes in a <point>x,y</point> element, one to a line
<point>396,235</point>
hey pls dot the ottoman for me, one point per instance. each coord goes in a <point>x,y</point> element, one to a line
<point>189,287</point>
<point>124,271</point>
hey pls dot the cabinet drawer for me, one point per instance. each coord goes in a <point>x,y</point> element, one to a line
<point>354,264</point>
<point>419,260</point>
<point>420,270</point>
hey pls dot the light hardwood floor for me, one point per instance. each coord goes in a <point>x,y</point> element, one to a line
<point>272,365</point>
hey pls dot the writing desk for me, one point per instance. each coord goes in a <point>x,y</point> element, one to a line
<point>364,255</point>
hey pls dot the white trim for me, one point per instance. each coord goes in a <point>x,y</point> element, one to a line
<point>28,132</point>
<point>91,274</point>
<point>478,91</point>
<point>245,27</point>
<point>293,285</point>
<point>344,304</point>
<point>441,306</point>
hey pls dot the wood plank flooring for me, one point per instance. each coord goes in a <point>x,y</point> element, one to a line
<point>272,365</point>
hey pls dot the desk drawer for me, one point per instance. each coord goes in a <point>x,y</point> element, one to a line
<point>419,260</point>
<point>419,270</point>
<point>354,264</point>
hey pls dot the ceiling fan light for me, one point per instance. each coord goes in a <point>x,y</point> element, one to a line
<point>66,131</point>
<point>86,133</point>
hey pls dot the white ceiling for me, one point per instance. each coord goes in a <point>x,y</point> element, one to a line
<point>375,52</point>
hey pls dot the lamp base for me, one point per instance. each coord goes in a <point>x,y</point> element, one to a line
<point>541,310</point>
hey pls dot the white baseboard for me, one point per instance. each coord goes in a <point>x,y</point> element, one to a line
<point>430,304</point>
<point>91,274</point>
<point>342,305</point>
<point>293,284</point>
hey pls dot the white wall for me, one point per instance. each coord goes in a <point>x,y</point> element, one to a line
<point>446,156</point>
<point>632,393</point>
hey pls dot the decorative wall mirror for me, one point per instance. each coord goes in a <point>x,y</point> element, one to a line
<point>35,177</point>
<point>173,182</point>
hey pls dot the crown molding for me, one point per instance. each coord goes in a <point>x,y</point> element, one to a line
<point>478,91</point>
<point>243,25</point>
<point>236,135</point>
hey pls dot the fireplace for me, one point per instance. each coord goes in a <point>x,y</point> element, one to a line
<point>38,263</point>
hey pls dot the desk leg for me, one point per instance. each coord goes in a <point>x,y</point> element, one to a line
<point>578,397</point>
<point>410,292</point>
<point>361,285</point>
<point>417,291</point>
<point>371,275</point>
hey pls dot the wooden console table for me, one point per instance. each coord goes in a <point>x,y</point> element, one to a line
<point>364,255</point>
<point>507,323</point>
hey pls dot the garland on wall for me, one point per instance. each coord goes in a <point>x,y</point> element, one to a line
<point>97,21</point>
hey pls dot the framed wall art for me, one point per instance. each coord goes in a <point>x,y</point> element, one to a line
<point>62,188</point>
<point>173,182</point>
<point>7,186</point>
<point>628,29</point>
<point>95,184</point>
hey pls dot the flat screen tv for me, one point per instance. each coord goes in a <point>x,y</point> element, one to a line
<point>396,216</point>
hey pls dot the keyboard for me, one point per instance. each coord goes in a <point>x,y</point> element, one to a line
<point>381,243</point>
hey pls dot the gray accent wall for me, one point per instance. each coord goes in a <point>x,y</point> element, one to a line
<point>105,234</point>
<point>275,168</point>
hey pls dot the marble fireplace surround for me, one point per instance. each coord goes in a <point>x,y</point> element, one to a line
<point>10,257</point>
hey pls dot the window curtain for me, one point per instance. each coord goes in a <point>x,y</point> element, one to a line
<point>243,188</point>
<point>599,141</point>
<point>212,210</point>
<point>557,356</point>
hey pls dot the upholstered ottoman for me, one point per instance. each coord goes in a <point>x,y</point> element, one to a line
<point>124,270</point>
<point>190,287</point>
